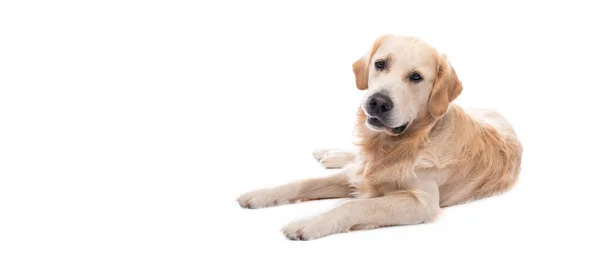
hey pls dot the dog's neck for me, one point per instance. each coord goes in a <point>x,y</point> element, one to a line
<point>377,148</point>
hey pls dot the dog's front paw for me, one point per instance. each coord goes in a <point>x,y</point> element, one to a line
<point>260,199</point>
<point>308,229</point>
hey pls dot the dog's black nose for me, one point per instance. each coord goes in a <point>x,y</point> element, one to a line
<point>379,104</point>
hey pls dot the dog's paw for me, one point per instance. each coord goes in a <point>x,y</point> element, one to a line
<point>307,229</point>
<point>260,199</point>
<point>334,158</point>
<point>320,153</point>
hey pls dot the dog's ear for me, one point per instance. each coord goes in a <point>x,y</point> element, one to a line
<point>361,73</point>
<point>361,66</point>
<point>446,88</point>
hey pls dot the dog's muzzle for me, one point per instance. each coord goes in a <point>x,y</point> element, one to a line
<point>374,121</point>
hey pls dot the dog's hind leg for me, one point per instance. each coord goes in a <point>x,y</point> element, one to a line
<point>333,158</point>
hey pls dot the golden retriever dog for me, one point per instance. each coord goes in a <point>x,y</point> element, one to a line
<point>417,151</point>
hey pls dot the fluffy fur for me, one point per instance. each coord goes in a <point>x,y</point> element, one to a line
<point>447,156</point>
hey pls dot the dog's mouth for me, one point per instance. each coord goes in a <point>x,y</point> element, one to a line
<point>375,122</point>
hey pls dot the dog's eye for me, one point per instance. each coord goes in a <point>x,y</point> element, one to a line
<point>415,77</point>
<point>380,64</point>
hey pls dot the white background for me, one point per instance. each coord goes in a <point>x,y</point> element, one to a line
<point>130,127</point>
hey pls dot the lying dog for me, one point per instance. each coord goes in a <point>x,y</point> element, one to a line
<point>418,151</point>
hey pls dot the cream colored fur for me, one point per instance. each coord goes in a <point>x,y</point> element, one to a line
<point>447,155</point>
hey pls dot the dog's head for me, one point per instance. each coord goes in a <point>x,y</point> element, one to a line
<point>405,79</point>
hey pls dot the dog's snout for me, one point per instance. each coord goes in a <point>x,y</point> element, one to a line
<point>379,103</point>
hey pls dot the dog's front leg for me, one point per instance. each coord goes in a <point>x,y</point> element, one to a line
<point>412,206</point>
<point>333,186</point>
